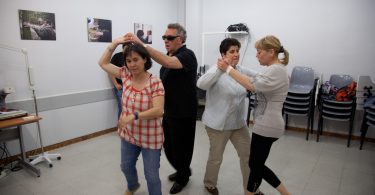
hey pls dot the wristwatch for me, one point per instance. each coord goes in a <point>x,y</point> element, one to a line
<point>136,116</point>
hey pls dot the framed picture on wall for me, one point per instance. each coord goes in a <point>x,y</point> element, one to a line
<point>99,30</point>
<point>37,25</point>
<point>143,32</point>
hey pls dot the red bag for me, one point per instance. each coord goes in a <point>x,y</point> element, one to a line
<point>347,93</point>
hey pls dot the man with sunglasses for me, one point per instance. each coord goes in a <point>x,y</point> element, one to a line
<point>178,74</point>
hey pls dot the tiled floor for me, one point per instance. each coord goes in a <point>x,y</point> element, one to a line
<point>306,168</point>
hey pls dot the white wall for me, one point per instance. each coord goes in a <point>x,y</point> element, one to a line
<point>194,26</point>
<point>335,36</point>
<point>69,64</point>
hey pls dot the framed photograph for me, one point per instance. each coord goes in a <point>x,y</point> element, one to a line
<point>37,25</point>
<point>143,32</point>
<point>99,30</point>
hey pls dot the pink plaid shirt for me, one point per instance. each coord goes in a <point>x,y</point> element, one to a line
<point>144,133</point>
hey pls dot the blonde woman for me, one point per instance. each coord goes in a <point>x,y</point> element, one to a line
<point>271,87</point>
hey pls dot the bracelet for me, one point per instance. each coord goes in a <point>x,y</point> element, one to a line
<point>136,115</point>
<point>145,46</point>
<point>229,69</point>
<point>110,49</point>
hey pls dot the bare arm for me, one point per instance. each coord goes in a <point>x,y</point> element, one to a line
<point>161,58</point>
<point>242,79</point>
<point>104,61</point>
<point>157,109</point>
<point>114,81</point>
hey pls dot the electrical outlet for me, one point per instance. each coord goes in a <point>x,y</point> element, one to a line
<point>9,90</point>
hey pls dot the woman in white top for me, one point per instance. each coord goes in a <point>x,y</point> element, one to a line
<point>224,115</point>
<point>271,87</point>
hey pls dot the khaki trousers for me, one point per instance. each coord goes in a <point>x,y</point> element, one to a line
<point>240,139</point>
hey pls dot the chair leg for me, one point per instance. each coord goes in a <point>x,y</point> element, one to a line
<point>364,128</point>
<point>286,121</point>
<point>308,128</point>
<point>312,121</point>
<point>320,128</point>
<point>363,136</point>
<point>350,133</point>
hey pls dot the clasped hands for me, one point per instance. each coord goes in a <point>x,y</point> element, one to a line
<point>124,120</point>
<point>223,63</point>
<point>127,38</point>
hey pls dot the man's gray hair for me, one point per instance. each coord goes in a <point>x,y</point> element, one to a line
<point>180,30</point>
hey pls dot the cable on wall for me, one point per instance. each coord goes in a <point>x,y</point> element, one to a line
<point>240,27</point>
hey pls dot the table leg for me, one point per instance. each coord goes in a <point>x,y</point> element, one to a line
<point>23,159</point>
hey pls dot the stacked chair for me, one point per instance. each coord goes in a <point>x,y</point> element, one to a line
<point>300,100</point>
<point>366,99</point>
<point>336,110</point>
<point>368,121</point>
<point>365,89</point>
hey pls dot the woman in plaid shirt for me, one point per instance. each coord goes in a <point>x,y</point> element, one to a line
<point>139,125</point>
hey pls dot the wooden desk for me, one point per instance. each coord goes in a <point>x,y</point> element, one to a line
<point>15,132</point>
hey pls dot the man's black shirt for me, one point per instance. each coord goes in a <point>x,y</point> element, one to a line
<point>118,60</point>
<point>180,86</point>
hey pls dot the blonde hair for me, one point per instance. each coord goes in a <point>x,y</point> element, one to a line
<point>272,42</point>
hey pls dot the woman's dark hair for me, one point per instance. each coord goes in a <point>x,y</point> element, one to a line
<point>126,44</point>
<point>227,43</point>
<point>141,50</point>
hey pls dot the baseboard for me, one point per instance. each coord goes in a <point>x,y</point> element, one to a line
<point>59,145</point>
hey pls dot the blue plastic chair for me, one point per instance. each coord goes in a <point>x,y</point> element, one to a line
<point>300,100</point>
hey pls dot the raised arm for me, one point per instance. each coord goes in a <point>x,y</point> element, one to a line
<point>242,79</point>
<point>209,78</point>
<point>250,72</point>
<point>104,61</point>
<point>161,58</point>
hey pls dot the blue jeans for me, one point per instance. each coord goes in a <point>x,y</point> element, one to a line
<point>151,164</point>
<point>119,101</point>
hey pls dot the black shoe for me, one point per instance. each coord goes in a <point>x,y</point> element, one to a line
<point>176,188</point>
<point>212,190</point>
<point>172,177</point>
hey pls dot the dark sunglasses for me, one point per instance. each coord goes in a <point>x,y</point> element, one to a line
<point>169,37</point>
